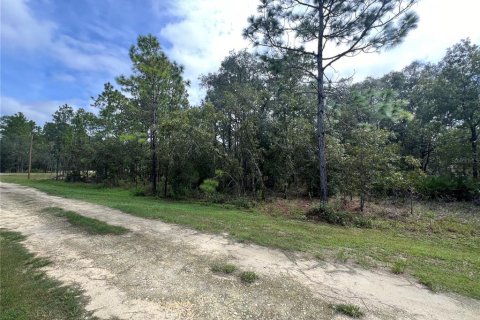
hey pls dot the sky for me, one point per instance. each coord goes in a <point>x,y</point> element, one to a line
<point>62,51</point>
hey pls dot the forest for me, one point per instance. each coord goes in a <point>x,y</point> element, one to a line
<point>410,132</point>
<point>277,121</point>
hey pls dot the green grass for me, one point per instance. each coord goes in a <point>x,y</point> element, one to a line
<point>90,225</point>
<point>26,292</point>
<point>226,268</point>
<point>348,309</point>
<point>399,266</point>
<point>248,277</point>
<point>446,260</point>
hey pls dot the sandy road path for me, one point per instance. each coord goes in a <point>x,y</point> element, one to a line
<point>162,271</point>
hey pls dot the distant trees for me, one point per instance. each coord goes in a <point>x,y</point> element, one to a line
<point>16,132</point>
<point>255,134</point>
<point>323,32</point>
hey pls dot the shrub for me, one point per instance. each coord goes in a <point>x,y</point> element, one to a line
<point>349,310</point>
<point>328,214</point>
<point>399,266</point>
<point>449,188</point>
<point>248,277</point>
<point>209,187</point>
<point>142,191</point>
<point>225,268</point>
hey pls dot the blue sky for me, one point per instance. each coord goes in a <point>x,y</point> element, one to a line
<point>63,51</point>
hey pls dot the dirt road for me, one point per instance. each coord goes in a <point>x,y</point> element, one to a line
<point>162,271</point>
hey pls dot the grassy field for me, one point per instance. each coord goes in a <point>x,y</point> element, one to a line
<point>443,252</point>
<point>26,292</point>
<point>90,225</point>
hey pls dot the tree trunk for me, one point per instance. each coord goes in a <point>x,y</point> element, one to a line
<point>321,110</point>
<point>473,139</point>
<point>30,156</point>
<point>165,186</point>
<point>153,150</point>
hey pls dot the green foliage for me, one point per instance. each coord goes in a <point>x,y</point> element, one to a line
<point>27,292</point>
<point>223,268</point>
<point>209,186</point>
<point>348,310</point>
<point>248,277</point>
<point>330,215</point>
<point>448,188</point>
<point>399,266</point>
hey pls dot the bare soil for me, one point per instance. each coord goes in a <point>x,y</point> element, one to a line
<point>162,271</point>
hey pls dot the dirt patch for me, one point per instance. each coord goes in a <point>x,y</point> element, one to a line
<point>162,271</point>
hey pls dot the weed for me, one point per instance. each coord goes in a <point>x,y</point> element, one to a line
<point>330,215</point>
<point>349,310</point>
<point>225,268</point>
<point>342,256</point>
<point>365,261</point>
<point>399,266</point>
<point>248,276</point>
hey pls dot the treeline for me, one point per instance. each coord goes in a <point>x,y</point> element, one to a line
<point>411,131</point>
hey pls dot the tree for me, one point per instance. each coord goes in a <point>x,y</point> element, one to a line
<point>459,80</point>
<point>15,132</point>
<point>156,87</point>
<point>369,161</point>
<point>59,133</point>
<point>237,91</point>
<point>352,26</point>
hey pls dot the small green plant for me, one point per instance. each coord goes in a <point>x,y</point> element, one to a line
<point>225,268</point>
<point>209,187</point>
<point>365,261</point>
<point>342,256</point>
<point>330,215</point>
<point>399,266</point>
<point>348,309</point>
<point>248,276</point>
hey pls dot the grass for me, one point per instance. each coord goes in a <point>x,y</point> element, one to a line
<point>26,292</point>
<point>224,268</point>
<point>90,225</point>
<point>442,252</point>
<point>248,277</point>
<point>348,309</point>
<point>399,266</point>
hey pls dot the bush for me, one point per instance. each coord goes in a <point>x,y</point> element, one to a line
<point>349,310</point>
<point>449,189</point>
<point>399,266</point>
<point>209,187</point>
<point>142,191</point>
<point>225,268</point>
<point>248,277</point>
<point>328,214</point>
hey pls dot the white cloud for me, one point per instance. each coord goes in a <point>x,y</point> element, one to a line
<point>206,32</point>
<point>209,29</point>
<point>64,77</point>
<point>441,25</point>
<point>23,32</point>
<point>20,29</point>
<point>38,111</point>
